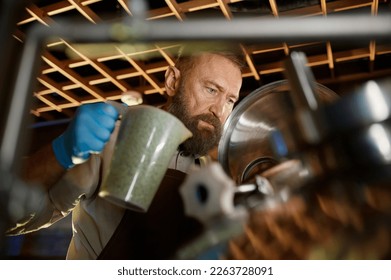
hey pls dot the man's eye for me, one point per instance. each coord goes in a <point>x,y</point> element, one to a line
<point>211,90</point>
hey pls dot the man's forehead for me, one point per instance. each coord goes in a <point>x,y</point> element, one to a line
<point>213,60</point>
<point>205,56</point>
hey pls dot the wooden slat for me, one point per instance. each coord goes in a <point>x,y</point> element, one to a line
<point>275,12</point>
<point>166,56</point>
<point>225,9</point>
<point>351,54</point>
<point>124,5</point>
<point>372,44</point>
<point>175,9</point>
<point>344,5</point>
<point>55,88</point>
<point>71,75</point>
<point>141,71</point>
<point>57,8</point>
<point>101,68</point>
<point>250,63</point>
<point>39,15</point>
<point>329,49</point>
<point>47,102</point>
<point>360,76</point>
<point>323,6</point>
<point>85,11</point>
<point>330,55</point>
<point>273,7</point>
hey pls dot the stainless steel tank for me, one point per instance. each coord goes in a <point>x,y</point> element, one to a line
<point>245,147</point>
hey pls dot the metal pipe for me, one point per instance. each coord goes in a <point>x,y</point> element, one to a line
<point>263,30</point>
<point>332,28</point>
<point>10,11</point>
<point>301,81</point>
<point>12,145</point>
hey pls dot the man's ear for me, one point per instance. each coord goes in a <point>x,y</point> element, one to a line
<point>172,80</point>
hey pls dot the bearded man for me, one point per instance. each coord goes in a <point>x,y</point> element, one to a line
<point>201,91</point>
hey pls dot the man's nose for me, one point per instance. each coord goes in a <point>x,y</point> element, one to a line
<point>217,108</point>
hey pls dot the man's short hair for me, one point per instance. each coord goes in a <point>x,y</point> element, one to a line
<point>188,52</point>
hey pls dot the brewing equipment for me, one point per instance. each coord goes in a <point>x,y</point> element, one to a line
<point>315,181</point>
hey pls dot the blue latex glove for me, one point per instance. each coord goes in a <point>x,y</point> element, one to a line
<point>87,133</point>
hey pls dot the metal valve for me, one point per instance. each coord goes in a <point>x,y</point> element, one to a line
<point>208,195</point>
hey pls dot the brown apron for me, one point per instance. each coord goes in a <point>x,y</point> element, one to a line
<point>158,233</point>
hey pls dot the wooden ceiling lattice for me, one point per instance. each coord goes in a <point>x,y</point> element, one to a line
<point>74,74</point>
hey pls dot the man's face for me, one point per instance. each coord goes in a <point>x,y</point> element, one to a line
<point>204,100</point>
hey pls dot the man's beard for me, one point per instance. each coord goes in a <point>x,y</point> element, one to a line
<point>203,140</point>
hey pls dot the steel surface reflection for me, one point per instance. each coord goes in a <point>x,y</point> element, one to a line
<point>245,147</point>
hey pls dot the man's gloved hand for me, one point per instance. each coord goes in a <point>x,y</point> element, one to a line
<point>87,133</point>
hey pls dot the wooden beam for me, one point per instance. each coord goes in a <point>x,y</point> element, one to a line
<point>39,15</point>
<point>53,87</point>
<point>71,75</point>
<point>225,9</point>
<point>85,11</point>
<point>138,68</point>
<point>101,68</point>
<point>124,5</point>
<point>250,63</point>
<point>175,9</point>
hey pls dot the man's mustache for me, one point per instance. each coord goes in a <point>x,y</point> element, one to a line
<point>211,119</point>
